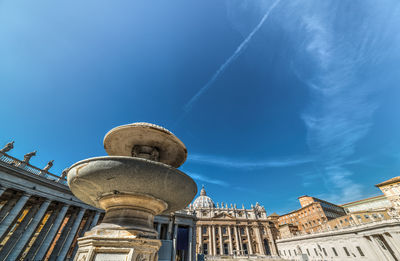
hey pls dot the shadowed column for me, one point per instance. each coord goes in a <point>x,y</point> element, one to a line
<point>7,222</point>
<point>27,234</point>
<point>71,236</point>
<point>50,236</point>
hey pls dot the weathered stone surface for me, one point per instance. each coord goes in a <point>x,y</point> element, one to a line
<point>90,179</point>
<point>122,140</point>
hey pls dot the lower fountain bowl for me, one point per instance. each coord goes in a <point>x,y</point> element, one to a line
<point>92,179</point>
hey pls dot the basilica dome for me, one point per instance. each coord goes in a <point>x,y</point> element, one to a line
<point>203,201</point>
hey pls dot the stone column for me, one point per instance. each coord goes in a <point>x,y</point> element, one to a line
<point>382,255</point>
<point>259,241</point>
<point>238,240</point>
<point>85,228</point>
<point>2,190</point>
<point>214,240</point>
<point>271,241</point>
<point>19,247</point>
<point>395,247</point>
<point>174,242</point>
<point>221,245</point>
<point>71,236</point>
<point>6,208</point>
<point>190,243</point>
<point>95,220</point>
<point>210,242</point>
<point>230,240</point>
<point>17,232</point>
<point>7,222</point>
<point>370,248</point>
<point>200,238</point>
<point>158,230</point>
<point>249,241</point>
<point>169,231</point>
<point>50,235</point>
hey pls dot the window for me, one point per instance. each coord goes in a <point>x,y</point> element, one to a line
<point>366,216</point>
<point>334,251</point>
<point>245,248</point>
<point>326,254</point>
<point>217,250</point>
<point>205,249</point>
<point>347,251</point>
<point>315,250</point>
<point>204,230</point>
<point>360,251</point>
<point>358,216</point>
<point>216,231</point>
<point>224,230</point>
<point>308,252</point>
<point>289,253</point>
<point>242,231</point>
<point>225,249</point>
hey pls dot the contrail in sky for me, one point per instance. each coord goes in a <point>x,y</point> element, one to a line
<point>238,51</point>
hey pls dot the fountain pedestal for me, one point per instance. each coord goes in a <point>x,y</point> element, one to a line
<point>136,182</point>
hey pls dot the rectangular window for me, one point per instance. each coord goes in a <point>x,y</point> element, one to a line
<point>347,251</point>
<point>360,251</point>
<point>224,230</point>
<point>225,249</point>
<point>205,249</point>
<point>204,230</point>
<point>334,251</point>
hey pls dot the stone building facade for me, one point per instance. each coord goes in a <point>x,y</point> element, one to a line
<point>313,213</point>
<point>224,230</point>
<point>364,233</point>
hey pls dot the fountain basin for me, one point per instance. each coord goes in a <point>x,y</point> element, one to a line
<point>98,178</point>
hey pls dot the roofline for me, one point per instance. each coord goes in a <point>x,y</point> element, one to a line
<point>390,181</point>
<point>375,197</point>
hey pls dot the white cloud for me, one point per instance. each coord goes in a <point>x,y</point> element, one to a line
<point>206,179</point>
<point>241,164</point>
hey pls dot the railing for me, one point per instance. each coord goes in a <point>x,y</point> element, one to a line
<point>31,169</point>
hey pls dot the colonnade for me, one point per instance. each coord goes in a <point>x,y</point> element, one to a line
<point>229,239</point>
<point>167,228</point>
<point>36,228</point>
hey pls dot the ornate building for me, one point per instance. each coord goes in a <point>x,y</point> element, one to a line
<point>230,231</point>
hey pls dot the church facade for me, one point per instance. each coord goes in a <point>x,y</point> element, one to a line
<point>223,230</point>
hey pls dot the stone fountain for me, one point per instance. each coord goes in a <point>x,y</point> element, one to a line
<point>137,181</point>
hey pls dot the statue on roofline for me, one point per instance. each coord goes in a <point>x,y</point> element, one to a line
<point>9,146</point>
<point>49,165</point>
<point>28,156</point>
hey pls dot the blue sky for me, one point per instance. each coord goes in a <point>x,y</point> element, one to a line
<point>273,99</point>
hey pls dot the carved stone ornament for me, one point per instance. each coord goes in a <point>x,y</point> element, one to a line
<point>28,156</point>
<point>9,146</point>
<point>49,165</point>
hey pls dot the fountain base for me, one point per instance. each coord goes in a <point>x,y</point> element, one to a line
<point>116,246</point>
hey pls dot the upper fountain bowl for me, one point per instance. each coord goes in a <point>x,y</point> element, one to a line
<point>145,140</point>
